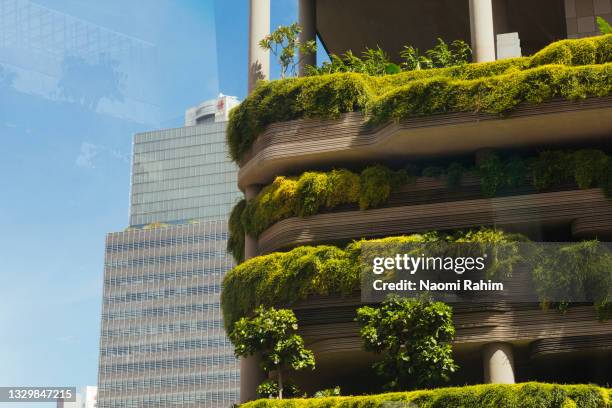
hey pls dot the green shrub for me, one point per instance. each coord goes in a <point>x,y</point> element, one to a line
<point>344,188</point>
<point>432,171</point>
<point>313,192</point>
<point>552,168</point>
<point>490,170</point>
<point>235,241</point>
<point>414,337</point>
<point>376,184</point>
<point>525,395</point>
<point>283,278</point>
<point>455,174</point>
<point>569,69</point>
<point>515,172</point>
<point>576,270</point>
<point>590,167</point>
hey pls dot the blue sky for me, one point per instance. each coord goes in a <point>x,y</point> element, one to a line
<point>66,124</point>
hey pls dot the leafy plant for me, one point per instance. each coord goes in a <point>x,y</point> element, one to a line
<point>413,60</point>
<point>376,185</point>
<point>604,26</point>
<point>491,173</point>
<point>515,172</point>
<point>575,272</point>
<point>455,173</point>
<point>414,339</point>
<point>552,168</point>
<point>235,241</point>
<point>284,44</point>
<point>373,61</point>
<point>432,171</point>
<point>271,333</point>
<point>329,392</point>
<point>590,167</point>
<point>269,389</point>
<point>443,55</point>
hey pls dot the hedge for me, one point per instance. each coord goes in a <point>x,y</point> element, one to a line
<point>525,395</point>
<point>570,69</point>
<point>314,192</point>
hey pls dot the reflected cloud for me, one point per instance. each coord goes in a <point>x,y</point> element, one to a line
<point>89,155</point>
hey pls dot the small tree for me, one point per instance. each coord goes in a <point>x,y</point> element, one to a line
<point>414,338</point>
<point>271,333</point>
<point>284,44</point>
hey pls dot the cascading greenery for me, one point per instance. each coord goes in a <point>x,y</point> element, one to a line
<point>283,278</point>
<point>569,69</point>
<point>313,192</point>
<point>309,194</point>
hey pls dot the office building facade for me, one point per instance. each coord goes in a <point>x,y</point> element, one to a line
<point>162,338</point>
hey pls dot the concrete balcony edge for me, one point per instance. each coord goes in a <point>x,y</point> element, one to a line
<point>304,144</point>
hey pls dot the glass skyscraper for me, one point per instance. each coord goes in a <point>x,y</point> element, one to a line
<point>162,340</point>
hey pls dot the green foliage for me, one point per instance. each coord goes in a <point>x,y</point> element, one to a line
<point>284,44</point>
<point>525,395</point>
<point>329,392</point>
<point>590,167</point>
<point>235,242</point>
<point>414,339</point>
<point>376,184</point>
<point>604,26</point>
<point>515,172</point>
<point>413,60</point>
<point>576,271</point>
<point>455,174</point>
<point>568,69</point>
<point>490,170</point>
<point>443,55</point>
<point>433,171</point>
<point>269,389</point>
<point>313,192</point>
<point>271,334</point>
<point>283,278</point>
<point>374,61</point>
<point>552,168</point>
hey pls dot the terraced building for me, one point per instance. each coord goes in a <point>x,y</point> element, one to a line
<point>304,144</point>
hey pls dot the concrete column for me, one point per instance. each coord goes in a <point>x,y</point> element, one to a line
<point>259,27</point>
<point>251,375</point>
<point>481,27</point>
<point>498,363</point>
<point>308,22</point>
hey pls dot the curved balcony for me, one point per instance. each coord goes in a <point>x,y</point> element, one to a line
<point>306,144</point>
<point>589,211</point>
